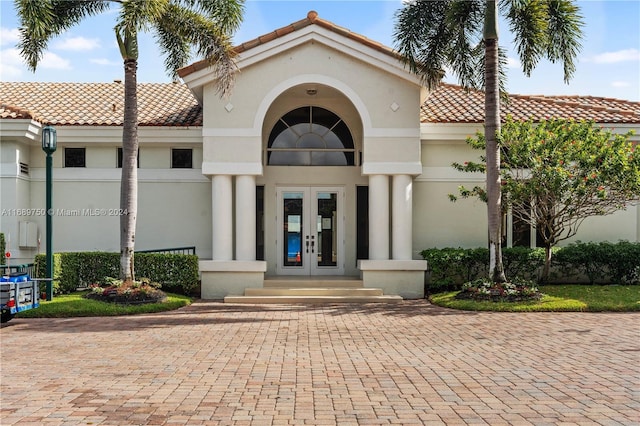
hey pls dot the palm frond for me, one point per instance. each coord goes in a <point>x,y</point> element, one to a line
<point>528,22</point>
<point>226,13</point>
<point>137,15</point>
<point>42,20</point>
<point>181,30</point>
<point>465,19</point>
<point>422,37</point>
<point>564,34</point>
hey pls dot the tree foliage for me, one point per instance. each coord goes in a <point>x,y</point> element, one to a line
<point>558,172</point>
<point>182,28</point>
<point>462,36</point>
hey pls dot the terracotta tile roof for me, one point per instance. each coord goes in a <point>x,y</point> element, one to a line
<point>311,19</point>
<point>10,111</point>
<point>169,104</point>
<point>452,104</point>
<point>99,104</point>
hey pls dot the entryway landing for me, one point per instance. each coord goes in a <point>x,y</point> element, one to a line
<point>312,290</point>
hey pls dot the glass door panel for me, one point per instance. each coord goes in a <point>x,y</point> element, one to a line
<point>327,206</point>
<point>310,235</point>
<point>293,223</point>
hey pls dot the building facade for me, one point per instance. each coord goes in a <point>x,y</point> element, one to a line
<point>328,159</point>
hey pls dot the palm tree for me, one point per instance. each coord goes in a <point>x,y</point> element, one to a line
<point>181,28</point>
<point>462,35</point>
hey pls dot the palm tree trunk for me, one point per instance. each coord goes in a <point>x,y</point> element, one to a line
<point>491,129</point>
<point>129,180</point>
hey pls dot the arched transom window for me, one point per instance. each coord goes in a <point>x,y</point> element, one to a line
<point>310,136</point>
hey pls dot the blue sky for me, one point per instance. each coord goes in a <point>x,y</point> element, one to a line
<point>609,64</point>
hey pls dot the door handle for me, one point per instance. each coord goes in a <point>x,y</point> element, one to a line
<point>307,244</point>
<point>313,244</point>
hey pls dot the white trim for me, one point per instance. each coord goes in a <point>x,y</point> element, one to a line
<point>93,135</point>
<point>434,133</point>
<point>211,168</point>
<point>437,133</point>
<point>230,132</point>
<point>330,39</point>
<point>376,132</point>
<point>83,174</point>
<point>392,168</point>
<point>299,37</point>
<point>20,128</point>
<point>448,174</point>
<point>394,132</point>
<point>297,80</point>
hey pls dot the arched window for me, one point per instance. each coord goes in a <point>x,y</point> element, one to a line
<point>310,136</point>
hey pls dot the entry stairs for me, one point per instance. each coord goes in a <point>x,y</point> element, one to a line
<point>313,291</point>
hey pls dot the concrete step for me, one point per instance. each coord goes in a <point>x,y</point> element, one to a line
<point>311,299</point>
<point>313,283</point>
<point>313,291</point>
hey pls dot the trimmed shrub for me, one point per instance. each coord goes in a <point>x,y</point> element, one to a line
<point>602,262</point>
<point>3,247</point>
<point>605,262</point>
<point>176,273</point>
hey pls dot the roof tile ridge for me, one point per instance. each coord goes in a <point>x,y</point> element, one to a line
<point>312,16</point>
<point>599,98</point>
<point>576,104</point>
<point>22,111</point>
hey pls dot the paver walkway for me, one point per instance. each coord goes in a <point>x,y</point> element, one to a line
<point>410,363</point>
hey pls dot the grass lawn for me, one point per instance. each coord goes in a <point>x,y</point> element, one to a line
<point>557,298</point>
<point>75,305</point>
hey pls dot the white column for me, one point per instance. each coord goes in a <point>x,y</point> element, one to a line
<point>378,217</point>
<point>222,198</point>
<point>401,217</point>
<point>245,217</point>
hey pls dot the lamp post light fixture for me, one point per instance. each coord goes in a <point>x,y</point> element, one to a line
<point>49,145</point>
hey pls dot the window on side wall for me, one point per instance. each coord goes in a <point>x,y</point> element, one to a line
<point>181,158</point>
<point>75,157</point>
<point>522,233</point>
<point>119,158</point>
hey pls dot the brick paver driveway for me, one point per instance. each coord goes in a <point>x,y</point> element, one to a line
<point>410,363</point>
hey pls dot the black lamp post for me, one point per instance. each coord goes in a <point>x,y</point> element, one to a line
<point>49,145</point>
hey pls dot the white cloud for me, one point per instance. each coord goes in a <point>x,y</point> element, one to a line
<point>513,63</point>
<point>617,56</point>
<point>54,62</point>
<point>9,36</point>
<point>77,44</point>
<point>11,65</point>
<point>620,84</point>
<point>104,61</point>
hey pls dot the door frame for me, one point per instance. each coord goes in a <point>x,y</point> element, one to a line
<point>309,208</point>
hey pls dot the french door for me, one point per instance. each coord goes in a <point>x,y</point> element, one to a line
<point>310,231</point>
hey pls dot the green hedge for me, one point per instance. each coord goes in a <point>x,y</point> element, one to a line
<point>605,262</point>
<point>3,247</point>
<point>601,262</point>
<point>177,273</point>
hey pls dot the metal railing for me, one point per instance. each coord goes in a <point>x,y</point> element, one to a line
<point>175,250</point>
<point>23,268</point>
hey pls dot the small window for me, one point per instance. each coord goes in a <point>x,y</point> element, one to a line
<point>119,158</point>
<point>181,158</point>
<point>74,157</point>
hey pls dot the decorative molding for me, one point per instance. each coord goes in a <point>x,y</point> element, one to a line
<point>211,168</point>
<point>73,174</point>
<point>389,168</point>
